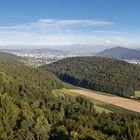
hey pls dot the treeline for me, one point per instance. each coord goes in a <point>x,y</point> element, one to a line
<point>102,74</point>
<point>31,109</point>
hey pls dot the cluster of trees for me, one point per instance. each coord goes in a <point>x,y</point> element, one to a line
<point>102,74</point>
<point>30,110</point>
<point>23,81</point>
<point>62,118</point>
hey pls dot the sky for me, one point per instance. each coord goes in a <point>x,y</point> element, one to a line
<point>67,22</point>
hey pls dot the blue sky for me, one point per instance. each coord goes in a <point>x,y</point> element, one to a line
<point>66,22</point>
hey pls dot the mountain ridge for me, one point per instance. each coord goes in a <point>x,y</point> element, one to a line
<point>120,52</point>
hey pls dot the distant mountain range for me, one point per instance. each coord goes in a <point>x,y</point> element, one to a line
<point>120,52</point>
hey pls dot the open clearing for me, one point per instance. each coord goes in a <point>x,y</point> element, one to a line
<point>117,101</point>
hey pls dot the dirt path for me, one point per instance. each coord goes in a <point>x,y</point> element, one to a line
<point>118,101</point>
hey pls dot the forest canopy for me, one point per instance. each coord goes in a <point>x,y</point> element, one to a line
<point>31,109</point>
<point>102,74</point>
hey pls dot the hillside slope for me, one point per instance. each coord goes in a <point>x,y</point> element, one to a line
<point>22,80</point>
<point>103,74</point>
<point>9,57</point>
<point>120,52</point>
<point>31,108</point>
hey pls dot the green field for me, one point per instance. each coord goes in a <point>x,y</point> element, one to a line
<point>118,109</point>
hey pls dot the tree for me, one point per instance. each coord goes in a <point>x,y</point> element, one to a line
<point>8,117</point>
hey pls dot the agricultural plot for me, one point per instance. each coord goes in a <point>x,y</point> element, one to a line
<point>128,104</point>
<point>100,106</point>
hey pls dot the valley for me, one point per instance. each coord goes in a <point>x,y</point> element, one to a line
<point>69,70</point>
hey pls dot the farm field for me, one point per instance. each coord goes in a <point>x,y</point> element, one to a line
<point>117,101</point>
<point>100,106</point>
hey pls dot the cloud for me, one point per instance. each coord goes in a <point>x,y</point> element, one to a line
<point>82,22</point>
<point>53,23</point>
<point>107,32</point>
<point>108,41</point>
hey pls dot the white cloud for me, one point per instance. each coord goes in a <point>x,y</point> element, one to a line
<point>107,32</point>
<point>52,23</point>
<point>83,22</point>
<point>108,41</point>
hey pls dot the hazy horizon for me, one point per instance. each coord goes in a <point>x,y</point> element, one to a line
<point>70,48</point>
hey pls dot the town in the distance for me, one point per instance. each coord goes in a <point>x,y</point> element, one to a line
<point>38,57</point>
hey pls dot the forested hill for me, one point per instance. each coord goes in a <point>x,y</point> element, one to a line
<point>31,109</point>
<point>121,53</point>
<point>9,57</point>
<point>102,74</point>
